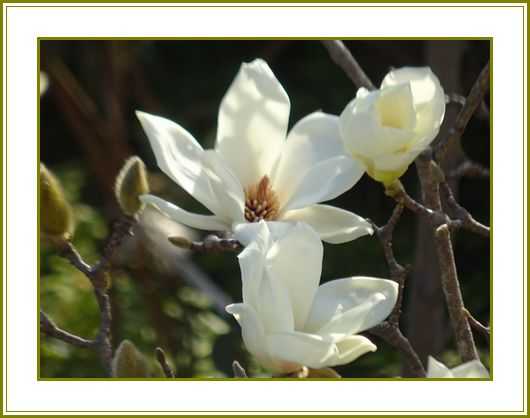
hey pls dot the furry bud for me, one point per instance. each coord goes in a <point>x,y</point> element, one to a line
<point>131,183</point>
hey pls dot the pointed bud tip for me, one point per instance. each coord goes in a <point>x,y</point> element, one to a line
<point>180,242</point>
<point>131,183</point>
<point>128,361</point>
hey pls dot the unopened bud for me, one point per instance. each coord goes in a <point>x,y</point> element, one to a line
<point>129,362</point>
<point>131,183</point>
<point>180,242</point>
<point>57,220</point>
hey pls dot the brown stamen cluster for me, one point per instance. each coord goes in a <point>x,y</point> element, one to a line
<point>261,202</point>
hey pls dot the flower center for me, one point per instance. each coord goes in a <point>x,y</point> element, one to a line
<point>261,202</point>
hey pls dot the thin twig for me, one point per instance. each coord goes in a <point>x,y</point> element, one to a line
<point>469,169</point>
<point>472,102</point>
<point>389,330</point>
<point>48,327</point>
<point>161,358</point>
<point>238,370</point>
<point>211,243</point>
<point>345,60</point>
<point>477,325</point>
<point>467,220</point>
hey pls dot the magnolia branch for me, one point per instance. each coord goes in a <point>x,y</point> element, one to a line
<point>389,330</point>
<point>99,277</point>
<point>345,60</point>
<point>430,181</point>
<point>211,243</point>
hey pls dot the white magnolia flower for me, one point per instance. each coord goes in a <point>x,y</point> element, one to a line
<point>386,129</point>
<point>256,170</point>
<point>471,369</point>
<point>287,320</point>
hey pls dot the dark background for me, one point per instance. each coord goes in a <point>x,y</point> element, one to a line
<point>162,297</point>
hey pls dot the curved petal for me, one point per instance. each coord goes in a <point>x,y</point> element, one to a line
<point>436,369</point>
<point>350,349</point>
<point>246,232</point>
<point>225,187</point>
<point>206,222</point>
<point>325,181</point>
<point>301,348</point>
<point>334,225</point>
<point>315,138</point>
<point>252,122</point>
<point>273,305</point>
<point>428,96</point>
<point>179,156</point>
<point>348,306</point>
<point>252,264</point>
<point>295,261</point>
<point>362,131</point>
<point>252,330</point>
<point>471,369</point>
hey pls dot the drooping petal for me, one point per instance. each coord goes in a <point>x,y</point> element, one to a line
<point>301,348</point>
<point>471,369</point>
<point>350,349</point>
<point>205,222</point>
<point>225,187</point>
<point>436,369</point>
<point>315,138</point>
<point>252,264</point>
<point>325,181</point>
<point>251,328</point>
<point>348,306</point>
<point>252,122</point>
<point>295,261</point>
<point>179,156</point>
<point>334,225</point>
<point>273,305</point>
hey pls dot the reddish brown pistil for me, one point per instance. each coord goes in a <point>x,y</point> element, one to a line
<point>261,202</point>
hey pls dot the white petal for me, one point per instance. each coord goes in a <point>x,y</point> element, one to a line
<point>436,369</point>
<point>471,369</point>
<point>273,305</point>
<point>252,122</point>
<point>314,139</point>
<point>179,156</point>
<point>325,181</point>
<point>350,349</point>
<point>301,348</point>
<point>428,96</point>
<point>246,232</point>
<point>362,131</point>
<point>225,187</point>
<point>251,327</point>
<point>252,264</point>
<point>334,225</point>
<point>206,222</point>
<point>295,260</point>
<point>347,306</point>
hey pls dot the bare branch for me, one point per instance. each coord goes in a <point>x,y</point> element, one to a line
<point>211,243</point>
<point>48,327</point>
<point>477,326</point>
<point>472,102</point>
<point>469,169</point>
<point>430,177</point>
<point>467,221</point>
<point>161,358</point>
<point>345,60</point>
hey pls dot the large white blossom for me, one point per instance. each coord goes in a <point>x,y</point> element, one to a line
<point>471,369</point>
<point>287,319</point>
<point>386,129</point>
<point>258,171</point>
